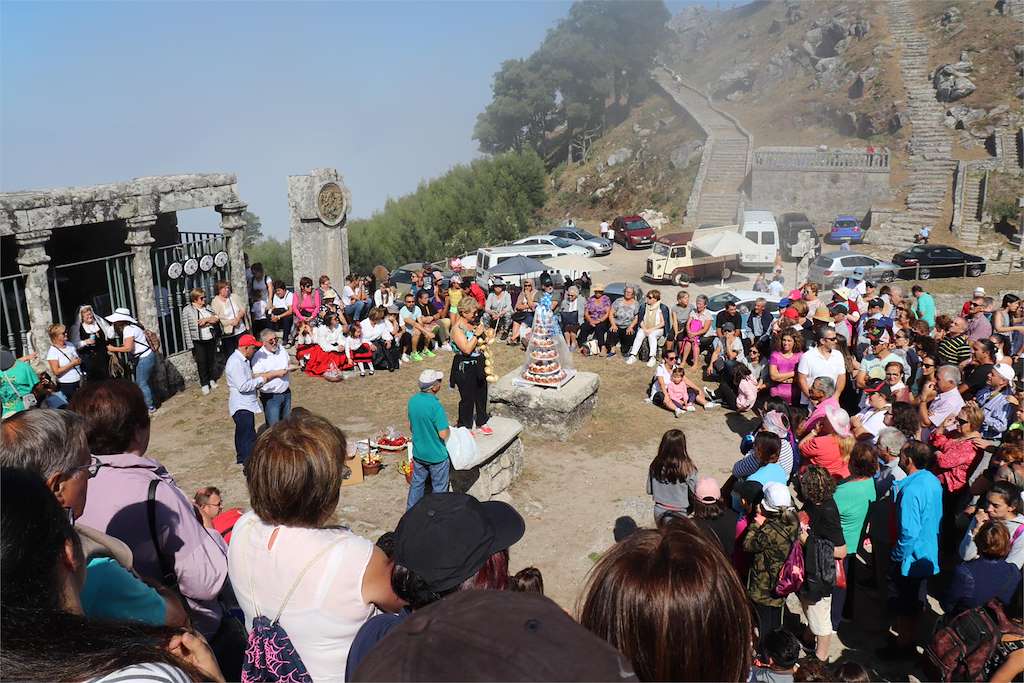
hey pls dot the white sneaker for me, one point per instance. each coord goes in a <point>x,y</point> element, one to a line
<point>652,362</point>
<point>405,358</point>
<point>205,389</point>
<point>690,408</point>
<point>630,360</point>
<point>710,406</point>
<point>648,400</point>
<point>370,370</point>
<point>213,385</point>
<point>679,411</point>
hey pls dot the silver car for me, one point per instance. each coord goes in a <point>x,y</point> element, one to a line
<point>601,246</point>
<point>558,243</point>
<point>832,268</point>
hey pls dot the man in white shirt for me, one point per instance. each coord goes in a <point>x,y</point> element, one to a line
<point>243,395</point>
<point>604,228</point>
<point>824,360</point>
<point>775,287</point>
<point>871,420</point>
<point>940,400</point>
<point>275,394</point>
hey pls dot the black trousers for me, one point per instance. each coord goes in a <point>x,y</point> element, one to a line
<point>204,352</point>
<point>284,326</point>
<point>245,435</point>
<point>228,345</point>
<point>407,343</point>
<point>768,620</point>
<point>468,375</point>
<point>621,337</point>
<point>600,332</point>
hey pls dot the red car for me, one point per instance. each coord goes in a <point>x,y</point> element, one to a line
<point>633,232</point>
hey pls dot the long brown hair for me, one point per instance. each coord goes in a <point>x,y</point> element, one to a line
<point>661,595</point>
<point>672,464</point>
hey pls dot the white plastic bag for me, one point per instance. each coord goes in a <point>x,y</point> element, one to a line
<point>462,450</point>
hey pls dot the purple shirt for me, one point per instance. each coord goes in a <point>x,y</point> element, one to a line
<point>116,505</point>
<point>942,406</point>
<point>978,327</point>
<point>598,307</point>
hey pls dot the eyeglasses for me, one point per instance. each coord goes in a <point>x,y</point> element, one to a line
<point>92,469</point>
<point>219,506</point>
<point>928,365</point>
<point>832,339</point>
<point>670,357</point>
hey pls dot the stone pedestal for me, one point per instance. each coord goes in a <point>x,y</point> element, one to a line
<point>551,412</point>
<point>318,207</point>
<point>232,224</point>
<point>33,262</point>
<point>501,462</point>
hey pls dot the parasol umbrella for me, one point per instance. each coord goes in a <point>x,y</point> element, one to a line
<point>571,263</point>
<point>721,243</point>
<point>518,265</point>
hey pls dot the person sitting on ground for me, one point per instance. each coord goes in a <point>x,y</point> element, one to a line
<point>329,352</point>
<point>672,581</point>
<point>444,544</point>
<point>778,661</point>
<point>118,428</point>
<point>737,391</point>
<point>377,331</point>
<point>289,561</point>
<point>45,632</point>
<point>358,353</point>
<point>672,476</point>
<point>305,342</point>
<point>987,576</point>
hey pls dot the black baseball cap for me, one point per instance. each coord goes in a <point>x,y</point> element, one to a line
<point>750,491</point>
<point>876,303</point>
<point>482,635</point>
<point>446,538</point>
<point>879,386</point>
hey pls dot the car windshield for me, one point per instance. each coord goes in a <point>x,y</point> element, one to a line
<point>846,224</point>
<point>585,235</point>
<point>660,249</point>
<point>823,261</point>
<point>718,301</point>
<point>561,242</point>
<point>637,225</point>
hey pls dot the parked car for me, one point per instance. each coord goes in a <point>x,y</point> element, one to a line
<point>759,227</point>
<point>566,245</point>
<point>795,232</point>
<point>937,260</point>
<point>487,258</point>
<point>744,299</point>
<point>615,290</point>
<point>845,229</point>
<point>600,245</point>
<point>832,268</point>
<point>678,258</point>
<point>633,232</point>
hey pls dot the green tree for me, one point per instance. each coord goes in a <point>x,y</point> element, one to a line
<point>275,256</point>
<point>253,231</point>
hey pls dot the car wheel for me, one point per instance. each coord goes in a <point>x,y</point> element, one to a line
<point>726,273</point>
<point>888,276</point>
<point>924,274</point>
<point>680,279</point>
<point>974,271</point>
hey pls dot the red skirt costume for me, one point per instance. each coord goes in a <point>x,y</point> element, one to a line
<point>319,361</point>
<point>363,354</point>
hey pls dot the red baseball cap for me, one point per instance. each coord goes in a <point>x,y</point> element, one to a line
<point>249,340</point>
<point>788,313</point>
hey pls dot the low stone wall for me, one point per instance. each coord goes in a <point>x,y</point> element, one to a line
<point>493,478</point>
<point>820,193</point>
<point>557,413</point>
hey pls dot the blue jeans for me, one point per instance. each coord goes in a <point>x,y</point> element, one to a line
<point>143,370</point>
<point>356,310</point>
<point>276,407</point>
<point>438,473</point>
<point>245,435</point>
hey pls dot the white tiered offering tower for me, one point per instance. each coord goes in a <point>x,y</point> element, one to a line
<point>544,360</point>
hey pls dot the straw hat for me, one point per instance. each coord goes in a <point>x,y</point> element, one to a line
<point>821,314</point>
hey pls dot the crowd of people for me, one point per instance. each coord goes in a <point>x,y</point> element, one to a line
<point>885,453</point>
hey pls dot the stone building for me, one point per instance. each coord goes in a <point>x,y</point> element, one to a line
<point>115,245</point>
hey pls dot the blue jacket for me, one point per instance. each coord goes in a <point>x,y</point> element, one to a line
<point>664,314</point>
<point>919,510</point>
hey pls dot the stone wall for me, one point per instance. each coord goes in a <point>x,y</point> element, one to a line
<point>820,184</point>
<point>318,206</point>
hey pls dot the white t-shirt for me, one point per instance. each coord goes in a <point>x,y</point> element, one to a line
<point>775,288</point>
<point>813,365</point>
<point>63,356</point>
<point>347,294</point>
<point>141,345</point>
<point>155,672</point>
<point>660,373</point>
<point>873,421</point>
<point>264,361</point>
<point>258,309</point>
<point>282,302</point>
<point>327,608</point>
<point>371,332</point>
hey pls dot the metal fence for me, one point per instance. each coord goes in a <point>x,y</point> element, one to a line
<point>172,294</point>
<point>104,283</point>
<point>14,324</point>
<point>1012,264</point>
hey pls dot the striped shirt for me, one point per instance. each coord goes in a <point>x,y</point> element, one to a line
<point>954,350</point>
<point>157,672</point>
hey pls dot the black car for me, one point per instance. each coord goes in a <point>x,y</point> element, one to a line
<point>937,260</point>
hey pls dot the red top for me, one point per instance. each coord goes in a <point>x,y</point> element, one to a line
<point>823,451</point>
<point>953,458</point>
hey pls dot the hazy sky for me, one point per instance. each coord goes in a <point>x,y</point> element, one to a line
<point>386,92</point>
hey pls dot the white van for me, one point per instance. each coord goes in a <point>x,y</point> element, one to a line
<point>759,227</point>
<point>489,257</point>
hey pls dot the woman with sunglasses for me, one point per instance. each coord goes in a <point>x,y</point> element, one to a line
<point>199,325</point>
<point>1002,503</point>
<point>526,304</point>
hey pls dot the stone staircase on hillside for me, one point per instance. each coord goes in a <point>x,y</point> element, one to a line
<point>717,195</point>
<point>1011,148</point>
<point>930,163</point>
<point>970,226</point>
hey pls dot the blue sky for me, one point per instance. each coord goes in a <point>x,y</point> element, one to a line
<point>386,92</point>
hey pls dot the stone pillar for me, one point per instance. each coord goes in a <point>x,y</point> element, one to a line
<point>139,240</point>
<point>232,223</point>
<point>318,206</point>
<point>34,263</point>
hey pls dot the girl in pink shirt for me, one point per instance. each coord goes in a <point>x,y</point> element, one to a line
<point>678,393</point>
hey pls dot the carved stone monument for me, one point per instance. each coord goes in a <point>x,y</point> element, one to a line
<point>318,205</point>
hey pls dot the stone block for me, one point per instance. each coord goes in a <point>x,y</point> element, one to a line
<point>501,463</point>
<point>553,412</point>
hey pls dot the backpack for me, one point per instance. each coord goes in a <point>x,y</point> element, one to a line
<point>791,576</point>
<point>270,654</point>
<point>960,649</point>
<point>820,568</point>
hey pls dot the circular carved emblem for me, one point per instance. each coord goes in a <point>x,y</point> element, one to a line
<point>206,263</point>
<point>191,266</point>
<point>174,270</point>
<point>220,259</point>
<point>331,203</point>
